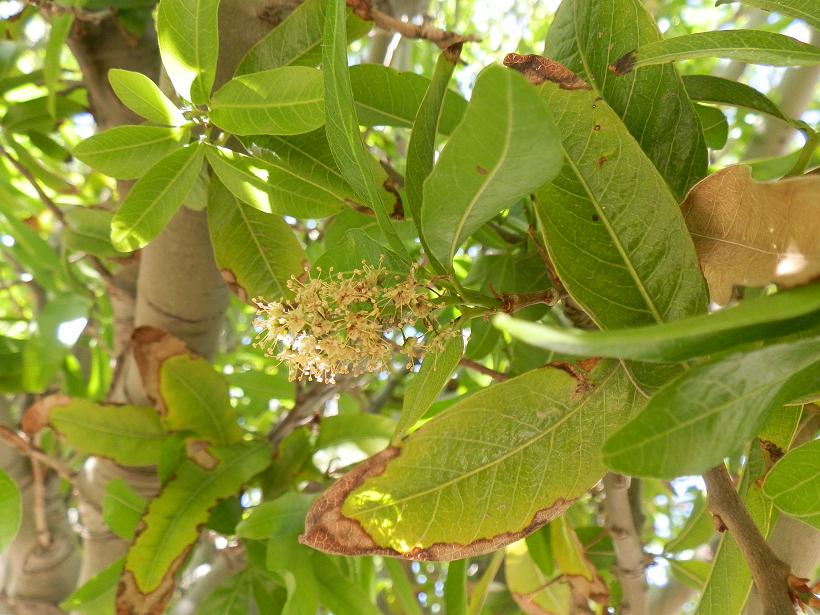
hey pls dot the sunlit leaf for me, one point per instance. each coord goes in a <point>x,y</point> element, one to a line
<point>12,506</point>
<point>793,483</point>
<point>143,97</point>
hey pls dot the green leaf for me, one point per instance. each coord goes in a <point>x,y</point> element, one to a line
<point>143,97</point>
<point>89,230</point>
<point>188,34</point>
<point>171,523</point>
<point>793,483</point>
<point>455,588</point>
<point>259,251</point>
<point>52,65</point>
<point>652,103</point>
<point>284,516</point>
<point>338,593</point>
<point>129,435</point>
<point>122,508</point>
<point>233,597</point>
<point>506,147</point>
<point>155,198</point>
<point>126,152</point>
<point>297,39</point>
<point>12,506</point>
<point>484,473</point>
<point>422,146</point>
<point>358,246</point>
<point>405,597</point>
<point>530,587</point>
<point>714,124</point>
<point>752,46</point>
<point>692,573</point>
<point>294,564</point>
<point>708,88</point>
<point>274,187</point>
<point>611,226</point>
<point>806,10</point>
<point>196,399</point>
<point>370,432</point>
<point>712,410</point>
<point>754,319</point>
<point>97,596</point>
<point>33,114</point>
<point>263,386</point>
<point>698,530</point>
<point>342,125</point>
<point>425,387</point>
<point>279,101</point>
<point>386,97</point>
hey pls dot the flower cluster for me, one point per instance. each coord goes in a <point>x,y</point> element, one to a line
<point>343,323</point>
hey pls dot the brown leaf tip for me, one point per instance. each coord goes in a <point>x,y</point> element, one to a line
<point>538,69</point>
<point>453,52</point>
<point>623,65</point>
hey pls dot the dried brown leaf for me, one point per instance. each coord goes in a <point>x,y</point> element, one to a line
<point>151,347</point>
<point>538,69</point>
<point>35,418</point>
<point>750,233</point>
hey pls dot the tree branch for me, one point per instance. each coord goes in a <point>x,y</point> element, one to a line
<point>770,575</point>
<point>629,553</point>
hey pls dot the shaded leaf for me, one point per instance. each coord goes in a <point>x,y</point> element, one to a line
<point>755,319</point>
<point>534,593</point>
<point>714,124</point>
<point>188,34</point>
<point>196,399</point>
<point>749,233</point>
<point>89,230</point>
<point>481,475</point>
<point>170,525</point>
<point>793,483</point>
<point>806,10</point>
<point>12,506</point>
<point>425,387</point>
<point>505,147</point>
<point>652,102</point>
<point>257,252</point>
<point>405,597</point>
<point>692,573</point>
<point>357,247</point>
<point>284,516</point>
<point>122,508</point>
<point>52,65</point>
<point>584,581</point>
<point>280,101</point>
<point>155,198</point>
<point>455,588</point>
<point>97,595</point>
<point>130,435</point>
<point>126,152</point>
<point>708,88</point>
<point>140,94</point>
<point>712,410</point>
<point>752,46</point>
<point>275,187</point>
<point>699,528</point>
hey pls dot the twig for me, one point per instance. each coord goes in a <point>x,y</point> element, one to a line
<point>40,519</point>
<point>94,17</point>
<point>629,553</point>
<point>96,263</point>
<point>769,573</point>
<point>23,446</point>
<point>311,400</point>
<point>482,369</point>
<point>442,38</point>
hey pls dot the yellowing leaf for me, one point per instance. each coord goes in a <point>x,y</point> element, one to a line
<point>534,593</point>
<point>750,233</point>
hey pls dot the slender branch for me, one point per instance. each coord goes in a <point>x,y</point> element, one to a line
<point>80,14</point>
<point>11,438</point>
<point>769,573</point>
<point>483,369</point>
<point>442,38</point>
<point>308,401</point>
<point>96,263</point>
<point>629,553</point>
<point>39,488</point>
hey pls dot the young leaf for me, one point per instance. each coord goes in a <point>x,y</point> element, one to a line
<point>652,102</point>
<point>754,319</point>
<point>188,34</point>
<point>280,101</point>
<point>506,147</point>
<point>749,233</point>
<point>708,88</point>
<point>570,559</point>
<point>481,475</point>
<point>342,125</point>
<point>12,506</point>
<point>386,97</point>
<point>274,187</point>
<point>129,435</point>
<point>422,146</point>
<point>52,65</point>
<point>712,410</point>
<point>793,484</point>
<point>155,198</point>
<point>425,387</point>
<point>807,10</point>
<point>612,227</point>
<point>531,590</point>
<point>284,516</point>
<point>126,152</point>
<point>752,46</point>
<point>140,94</point>
<point>122,508</point>
<point>196,399</point>
<point>455,588</point>
<point>171,523</point>
<point>258,252</point>
<point>714,124</point>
